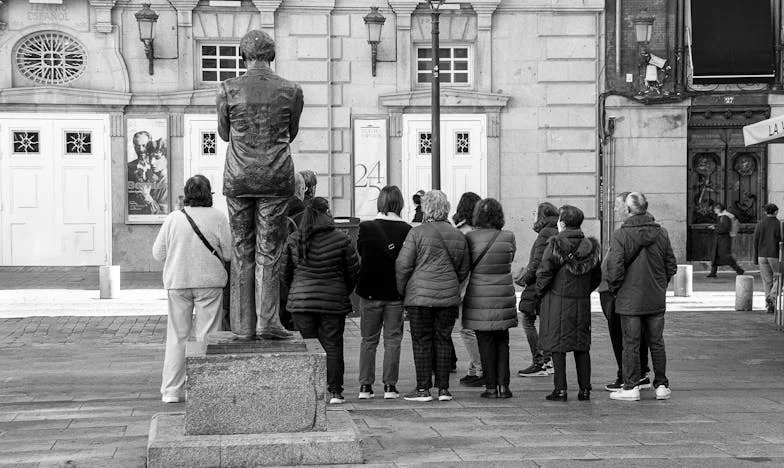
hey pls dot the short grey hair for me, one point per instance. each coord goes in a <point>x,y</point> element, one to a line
<point>435,206</point>
<point>636,203</point>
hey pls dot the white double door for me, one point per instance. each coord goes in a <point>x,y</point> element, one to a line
<point>205,154</point>
<point>463,156</point>
<point>54,190</point>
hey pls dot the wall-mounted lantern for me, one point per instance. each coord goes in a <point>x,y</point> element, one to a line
<point>374,21</point>
<point>147,18</point>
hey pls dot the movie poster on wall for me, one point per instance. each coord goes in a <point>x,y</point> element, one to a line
<point>147,174</point>
<point>370,165</point>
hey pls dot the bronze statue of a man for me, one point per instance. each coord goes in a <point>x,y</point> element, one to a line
<point>258,114</point>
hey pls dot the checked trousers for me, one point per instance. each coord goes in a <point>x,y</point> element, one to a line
<point>431,335</point>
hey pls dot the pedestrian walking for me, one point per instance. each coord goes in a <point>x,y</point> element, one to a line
<point>193,243</point>
<point>463,220</point>
<point>433,262</point>
<point>767,235</point>
<point>607,302</point>
<point>639,267</point>
<point>489,304</point>
<point>569,271</point>
<point>545,226</point>
<point>417,199</point>
<point>380,304</point>
<point>320,270</point>
<point>722,250</point>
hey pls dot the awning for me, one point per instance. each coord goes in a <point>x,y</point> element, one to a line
<point>765,130</point>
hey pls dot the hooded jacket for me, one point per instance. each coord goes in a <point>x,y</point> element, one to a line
<point>489,302</point>
<point>569,271</point>
<point>322,282</point>
<point>545,229</point>
<point>640,283</point>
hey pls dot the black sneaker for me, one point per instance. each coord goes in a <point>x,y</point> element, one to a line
<point>365,392</point>
<point>614,386</point>
<point>337,398</point>
<point>444,395</point>
<point>645,383</point>
<point>390,392</point>
<point>467,378</point>
<point>420,394</point>
<point>475,381</point>
<point>534,370</point>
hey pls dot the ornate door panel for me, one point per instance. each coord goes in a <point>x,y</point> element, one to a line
<point>729,174</point>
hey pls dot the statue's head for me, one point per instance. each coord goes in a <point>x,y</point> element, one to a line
<point>257,45</point>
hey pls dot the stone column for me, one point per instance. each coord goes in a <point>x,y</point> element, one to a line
<point>185,41</point>
<point>103,14</point>
<point>403,10</point>
<point>484,44</point>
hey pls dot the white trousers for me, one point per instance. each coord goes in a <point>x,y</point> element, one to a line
<point>206,303</point>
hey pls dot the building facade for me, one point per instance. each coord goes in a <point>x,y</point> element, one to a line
<point>96,140</point>
<point>674,107</point>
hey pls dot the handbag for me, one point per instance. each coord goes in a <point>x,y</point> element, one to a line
<point>487,248</point>
<point>225,320</point>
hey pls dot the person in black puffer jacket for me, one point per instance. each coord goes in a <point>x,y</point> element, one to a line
<point>570,270</point>
<point>320,268</point>
<point>545,227</point>
<point>380,304</point>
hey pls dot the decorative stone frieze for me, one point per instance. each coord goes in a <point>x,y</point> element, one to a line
<point>184,11</point>
<point>267,9</point>
<point>103,14</point>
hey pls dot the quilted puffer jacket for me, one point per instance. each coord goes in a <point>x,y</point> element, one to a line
<point>489,303</point>
<point>426,275</point>
<point>322,282</point>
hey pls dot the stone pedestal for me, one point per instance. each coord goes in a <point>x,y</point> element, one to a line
<point>744,292</point>
<point>682,281</point>
<point>109,281</point>
<point>257,403</point>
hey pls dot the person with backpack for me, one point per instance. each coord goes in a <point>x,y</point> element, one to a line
<point>726,228</point>
<point>193,243</point>
<point>320,268</point>
<point>380,304</point>
<point>489,304</point>
<point>433,262</point>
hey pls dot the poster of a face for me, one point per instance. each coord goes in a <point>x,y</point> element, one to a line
<point>147,174</point>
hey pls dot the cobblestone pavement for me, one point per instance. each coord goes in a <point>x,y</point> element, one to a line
<point>80,391</point>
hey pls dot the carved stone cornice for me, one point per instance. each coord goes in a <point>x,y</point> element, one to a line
<point>310,6</point>
<point>451,99</point>
<point>484,13</point>
<point>184,11</point>
<point>103,14</point>
<point>267,9</point>
<point>58,95</point>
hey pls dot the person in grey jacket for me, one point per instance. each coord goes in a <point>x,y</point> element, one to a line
<point>489,303</point>
<point>767,235</point>
<point>193,276</point>
<point>431,265</point>
<point>639,267</point>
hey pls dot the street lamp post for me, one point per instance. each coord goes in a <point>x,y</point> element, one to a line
<point>435,111</point>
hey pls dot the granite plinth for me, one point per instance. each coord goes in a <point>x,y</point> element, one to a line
<point>168,446</point>
<point>256,387</point>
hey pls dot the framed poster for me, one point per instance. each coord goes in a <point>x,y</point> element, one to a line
<point>370,164</point>
<point>147,198</point>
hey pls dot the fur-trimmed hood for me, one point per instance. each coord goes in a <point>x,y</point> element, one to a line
<point>578,254</point>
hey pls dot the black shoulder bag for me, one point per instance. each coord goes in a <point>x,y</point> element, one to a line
<point>487,248</point>
<point>225,322</point>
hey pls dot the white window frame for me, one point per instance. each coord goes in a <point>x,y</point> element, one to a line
<point>452,84</point>
<point>200,61</point>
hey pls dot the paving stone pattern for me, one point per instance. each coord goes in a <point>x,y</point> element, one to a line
<point>81,391</point>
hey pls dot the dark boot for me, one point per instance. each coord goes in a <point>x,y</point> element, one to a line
<point>585,394</point>
<point>504,392</point>
<point>557,395</point>
<point>490,392</point>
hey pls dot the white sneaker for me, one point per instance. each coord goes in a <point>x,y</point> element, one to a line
<point>663,393</point>
<point>548,367</point>
<point>626,395</point>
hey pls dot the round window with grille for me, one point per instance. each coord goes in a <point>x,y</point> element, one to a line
<point>51,58</point>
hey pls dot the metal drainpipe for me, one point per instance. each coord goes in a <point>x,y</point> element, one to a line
<point>618,38</point>
<point>329,110</point>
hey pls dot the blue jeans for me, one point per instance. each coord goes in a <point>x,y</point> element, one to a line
<point>653,327</point>
<point>373,316</point>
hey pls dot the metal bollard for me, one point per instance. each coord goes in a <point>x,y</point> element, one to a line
<point>744,292</point>
<point>109,281</point>
<point>682,281</point>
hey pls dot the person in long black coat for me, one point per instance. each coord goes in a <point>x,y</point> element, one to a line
<point>570,270</point>
<point>722,250</point>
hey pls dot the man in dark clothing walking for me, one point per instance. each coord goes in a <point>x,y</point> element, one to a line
<point>639,267</point>
<point>767,236</point>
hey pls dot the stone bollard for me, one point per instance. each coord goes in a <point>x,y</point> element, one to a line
<point>744,292</point>
<point>682,281</point>
<point>109,281</point>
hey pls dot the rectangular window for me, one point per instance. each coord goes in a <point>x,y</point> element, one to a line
<point>453,65</point>
<point>220,62</point>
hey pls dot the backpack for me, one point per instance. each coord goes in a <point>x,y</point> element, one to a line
<point>735,227</point>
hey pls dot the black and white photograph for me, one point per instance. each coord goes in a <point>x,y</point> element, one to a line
<point>392,233</point>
